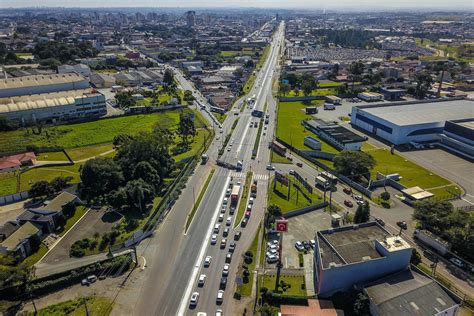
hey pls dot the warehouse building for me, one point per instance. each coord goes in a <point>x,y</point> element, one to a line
<point>413,121</point>
<point>65,105</point>
<point>39,84</point>
<point>355,255</point>
<point>337,135</point>
<point>458,136</point>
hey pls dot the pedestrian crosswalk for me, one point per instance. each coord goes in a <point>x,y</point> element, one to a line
<point>255,176</point>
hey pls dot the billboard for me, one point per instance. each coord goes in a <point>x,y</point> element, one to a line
<point>281,178</point>
<point>281,225</point>
<point>303,182</point>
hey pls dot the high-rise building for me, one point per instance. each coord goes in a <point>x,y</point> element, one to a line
<point>190,18</point>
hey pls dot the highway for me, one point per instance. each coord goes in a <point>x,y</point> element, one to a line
<point>174,258</point>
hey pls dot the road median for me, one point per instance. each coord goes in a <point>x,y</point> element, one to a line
<point>198,201</point>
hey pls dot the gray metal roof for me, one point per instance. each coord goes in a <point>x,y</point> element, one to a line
<point>408,293</point>
<point>423,112</point>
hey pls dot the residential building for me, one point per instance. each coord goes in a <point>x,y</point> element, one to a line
<point>15,162</point>
<point>18,244</point>
<point>355,255</point>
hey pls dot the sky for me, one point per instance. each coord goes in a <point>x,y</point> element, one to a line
<point>454,5</point>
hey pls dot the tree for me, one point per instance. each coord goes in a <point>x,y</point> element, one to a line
<point>59,183</point>
<point>423,84</point>
<point>415,257</point>
<point>362,213</point>
<point>125,100</point>
<point>118,198</point>
<point>143,170</point>
<point>7,125</point>
<point>385,195</point>
<point>356,69</point>
<point>186,126</point>
<point>362,305</point>
<point>285,88</point>
<point>168,77</point>
<point>40,189</point>
<point>273,212</point>
<point>139,193</point>
<point>100,176</point>
<point>122,139</point>
<point>354,164</point>
<point>188,95</point>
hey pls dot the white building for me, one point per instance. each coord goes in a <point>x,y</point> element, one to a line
<point>65,105</point>
<point>37,84</point>
<point>81,69</point>
<point>404,122</point>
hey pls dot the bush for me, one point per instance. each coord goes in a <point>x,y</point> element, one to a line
<point>385,196</point>
<point>76,252</point>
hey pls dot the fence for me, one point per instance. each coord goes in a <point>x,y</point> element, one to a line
<point>306,209</point>
<point>319,154</point>
<point>308,98</point>
<point>12,198</point>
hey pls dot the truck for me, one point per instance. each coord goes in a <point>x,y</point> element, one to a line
<point>431,240</point>
<point>321,182</point>
<point>234,196</point>
<point>253,189</point>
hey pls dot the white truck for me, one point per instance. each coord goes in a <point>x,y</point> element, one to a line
<point>439,245</point>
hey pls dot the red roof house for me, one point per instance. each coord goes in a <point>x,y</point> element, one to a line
<point>13,162</point>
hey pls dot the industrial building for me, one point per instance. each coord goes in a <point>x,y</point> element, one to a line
<point>355,255</point>
<point>337,135</point>
<point>413,121</point>
<point>458,136</point>
<point>65,105</point>
<point>39,84</point>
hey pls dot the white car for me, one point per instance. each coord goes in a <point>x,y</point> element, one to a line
<point>219,312</point>
<point>291,172</point>
<point>358,198</point>
<point>457,262</point>
<point>220,297</point>
<point>272,247</point>
<point>229,149</point>
<point>228,221</point>
<point>270,167</point>
<point>221,218</point>
<point>216,228</point>
<point>299,246</point>
<point>251,200</point>
<point>207,261</point>
<point>213,239</point>
<point>223,209</point>
<point>272,259</point>
<point>202,280</point>
<point>194,299</point>
<point>225,271</point>
<point>226,200</point>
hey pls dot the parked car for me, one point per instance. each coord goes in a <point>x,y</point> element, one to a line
<point>247,214</point>
<point>194,299</point>
<point>358,198</point>
<point>272,259</point>
<point>360,202</point>
<point>402,224</point>
<point>457,262</point>
<point>291,172</point>
<point>348,203</point>
<point>306,245</point>
<point>312,242</point>
<point>299,246</point>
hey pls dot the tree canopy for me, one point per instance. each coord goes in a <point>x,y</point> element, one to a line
<point>354,164</point>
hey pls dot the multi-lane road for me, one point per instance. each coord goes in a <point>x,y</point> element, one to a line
<point>174,258</point>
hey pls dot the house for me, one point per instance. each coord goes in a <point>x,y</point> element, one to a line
<point>314,307</point>
<point>409,293</point>
<point>18,244</point>
<point>14,162</point>
<point>47,216</point>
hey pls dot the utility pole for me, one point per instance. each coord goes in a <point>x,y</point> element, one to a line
<point>85,305</point>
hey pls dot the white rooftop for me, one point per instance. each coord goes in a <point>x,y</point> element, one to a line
<point>422,113</point>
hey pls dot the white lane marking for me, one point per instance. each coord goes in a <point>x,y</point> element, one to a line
<point>187,293</point>
<point>242,140</point>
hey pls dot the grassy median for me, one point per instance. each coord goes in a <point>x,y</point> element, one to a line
<point>198,201</point>
<point>243,199</point>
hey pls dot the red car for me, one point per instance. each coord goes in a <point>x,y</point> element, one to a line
<point>289,158</point>
<point>348,203</point>
<point>247,214</point>
<point>299,164</point>
<point>347,191</point>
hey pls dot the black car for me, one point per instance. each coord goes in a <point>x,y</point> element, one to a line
<point>244,222</point>
<point>232,247</point>
<point>226,232</point>
<point>306,245</point>
<point>228,257</point>
<point>237,235</point>
<point>223,283</point>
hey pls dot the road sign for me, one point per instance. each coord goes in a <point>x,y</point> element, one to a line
<point>281,225</point>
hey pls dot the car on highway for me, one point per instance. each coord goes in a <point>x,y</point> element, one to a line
<point>228,221</point>
<point>225,201</point>
<point>457,262</point>
<point>347,191</point>
<point>219,312</point>
<point>223,283</point>
<point>299,164</point>
<point>270,167</point>
<point>228,149</point>
<point>202,280</point>
<point>221,218</point>
<point>237,235</point>
<point>226,232</point>
<point>247,214</point>
<point>232,246</point>
<point>291,172</point>
<point>223,209</point>
<point>220,297</point>
<point>299,246</point>
<point>402,224</point>
<point>227,192</point>
<point>216,228</point>
<point>348,203</point>
<point>225,270</point>
<point>244,222</point>
<point>213,239</point>
<point>232,210</point>
<point>228,257</point>
<point>223,243</point>
<point>358,198</point>
<point>194,299</point>
<point>207,261</point>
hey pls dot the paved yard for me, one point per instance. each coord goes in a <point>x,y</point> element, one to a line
<point>93,222</point>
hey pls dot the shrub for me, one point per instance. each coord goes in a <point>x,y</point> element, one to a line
<point>385,196</point>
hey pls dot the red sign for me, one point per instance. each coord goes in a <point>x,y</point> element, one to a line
<point>281,225</point>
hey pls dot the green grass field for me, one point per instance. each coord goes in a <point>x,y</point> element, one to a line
<point>276,158</point>
<point>48,173</point>
<point>196,145</point>
<point>89,133</point>
<point>89,151</point>
<point>246,288</point>
<point>295,282</point>
<point>8,183</point>
<point>96,306</point>
<point>318,92</point>
<point>229,53</point>
<point>220,117</point>
<point>278,196</point>
<point>52,156</point>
